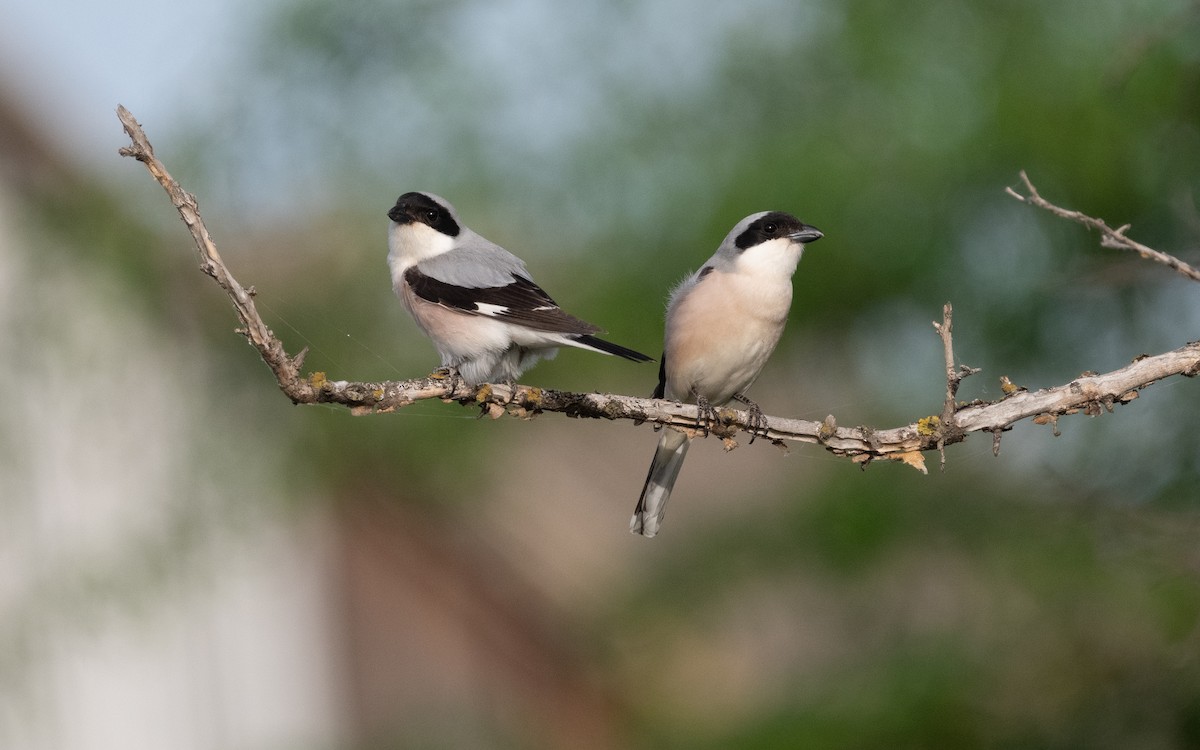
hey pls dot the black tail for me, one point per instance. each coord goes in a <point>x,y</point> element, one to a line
<point>610,348</point>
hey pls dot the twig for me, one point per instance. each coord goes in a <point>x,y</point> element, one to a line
<point>949,429</point>
<point>1112,239</point>
<point>861,444</point>
<point>287,371</point>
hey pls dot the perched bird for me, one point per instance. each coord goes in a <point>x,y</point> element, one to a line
<point>474,299</point>
<point>723,322</point>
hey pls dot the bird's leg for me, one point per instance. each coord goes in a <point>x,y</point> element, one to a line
<point>708,414</point>
<point>758,420</point>
<point>450,375</point>
<point>512,389</point>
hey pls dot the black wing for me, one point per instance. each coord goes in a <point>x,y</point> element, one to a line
<point>522,302</point>
<point>660,390</point>
<point>609,347</point>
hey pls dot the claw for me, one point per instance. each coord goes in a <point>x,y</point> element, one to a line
<point>708,414</point>
<point>451,377</point>
<point>758,420</point>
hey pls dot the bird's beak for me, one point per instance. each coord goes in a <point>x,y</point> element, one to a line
<point>396,214</point>
<point>806,234</point>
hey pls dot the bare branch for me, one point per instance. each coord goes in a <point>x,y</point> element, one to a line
<point>1113,239</point>
<point>1089,393</point>
<point>287,371</point>
<point>948,423</point>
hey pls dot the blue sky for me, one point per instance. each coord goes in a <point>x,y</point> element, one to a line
<point>70,63</point>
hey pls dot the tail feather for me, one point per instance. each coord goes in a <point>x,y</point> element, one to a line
<point>664,470</point>
<point>600,345</point>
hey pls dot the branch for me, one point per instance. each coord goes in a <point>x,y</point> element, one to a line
<point>948,422</point>
<point>1113,239</point>
<point>287,370</point>
<point>1089,393</point>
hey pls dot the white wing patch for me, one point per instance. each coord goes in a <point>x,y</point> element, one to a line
<point>493,310</point>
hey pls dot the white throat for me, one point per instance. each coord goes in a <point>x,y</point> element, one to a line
<point>409,244</point>
<point>777,257</point>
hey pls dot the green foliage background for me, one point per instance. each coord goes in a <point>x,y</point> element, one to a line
<point>1048,598</point>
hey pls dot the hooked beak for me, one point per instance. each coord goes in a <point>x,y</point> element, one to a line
<point>806,234</point>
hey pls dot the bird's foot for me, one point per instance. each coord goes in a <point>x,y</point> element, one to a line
<point>450,376</point>
<point>708,415</point>
<point>758,421</point>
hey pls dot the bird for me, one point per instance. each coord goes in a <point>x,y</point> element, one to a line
<point>722,323</point>
<point>475,300</point>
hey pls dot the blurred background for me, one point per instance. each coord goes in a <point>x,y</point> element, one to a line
<point>188,561</point>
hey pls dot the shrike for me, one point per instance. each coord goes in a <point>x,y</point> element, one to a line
<point>474,299</point>
<point>723,322</point>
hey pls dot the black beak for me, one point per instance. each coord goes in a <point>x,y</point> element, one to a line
<point>396,214</point>
<point>806,234</point>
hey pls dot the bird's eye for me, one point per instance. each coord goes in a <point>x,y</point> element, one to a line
<point>770,228</point>
<point>431,214</point>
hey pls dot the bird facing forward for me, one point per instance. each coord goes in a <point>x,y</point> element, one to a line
<point>723,322</point>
